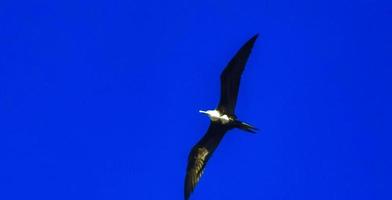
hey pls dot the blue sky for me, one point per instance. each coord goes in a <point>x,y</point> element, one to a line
<point>100,99</point>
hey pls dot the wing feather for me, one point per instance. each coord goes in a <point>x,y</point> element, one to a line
<point>200,154</point>
<point>231,77</point>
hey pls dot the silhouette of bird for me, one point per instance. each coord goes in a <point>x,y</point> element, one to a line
<point>222,118</point>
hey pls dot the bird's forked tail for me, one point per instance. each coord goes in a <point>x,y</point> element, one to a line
<point>246,127</point>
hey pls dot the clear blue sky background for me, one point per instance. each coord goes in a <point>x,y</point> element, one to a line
<point>100,99</point>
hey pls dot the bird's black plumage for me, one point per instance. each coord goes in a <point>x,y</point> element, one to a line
<point>202,151</point>
<point>231,77</point>
<point>200,154</point>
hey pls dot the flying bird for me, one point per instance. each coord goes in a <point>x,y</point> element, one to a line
<point>223,118</point>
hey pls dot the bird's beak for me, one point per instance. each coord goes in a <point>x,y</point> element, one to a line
<point>200,111</point>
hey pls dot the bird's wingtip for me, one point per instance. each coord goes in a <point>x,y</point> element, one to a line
<point>253,39</point>
<point>255,36</point>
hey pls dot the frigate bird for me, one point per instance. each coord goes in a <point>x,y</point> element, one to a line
<point>223,118</point>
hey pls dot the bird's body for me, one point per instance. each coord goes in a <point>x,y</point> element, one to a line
<point>222,118</point>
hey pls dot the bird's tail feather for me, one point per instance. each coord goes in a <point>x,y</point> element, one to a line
<point>246,127</point>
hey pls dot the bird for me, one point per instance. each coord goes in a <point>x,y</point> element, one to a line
<point>222,119</point>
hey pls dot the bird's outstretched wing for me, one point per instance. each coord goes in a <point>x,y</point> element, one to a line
<point>200,154</point>
<point>231,76</point>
